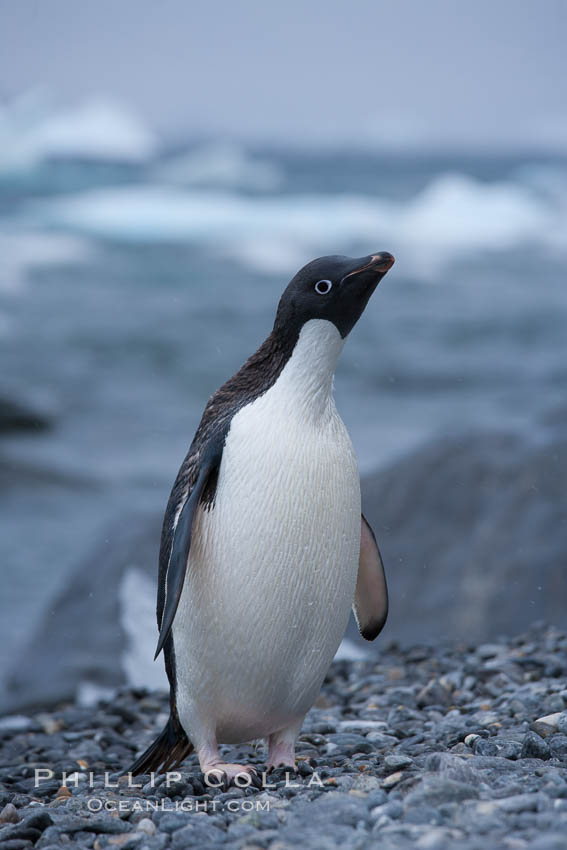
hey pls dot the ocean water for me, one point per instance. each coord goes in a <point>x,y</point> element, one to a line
<point>135,279</point>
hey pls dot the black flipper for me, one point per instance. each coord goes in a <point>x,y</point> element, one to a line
<point>168,750</point>
<point>371,597</point>
<point>181,545</point>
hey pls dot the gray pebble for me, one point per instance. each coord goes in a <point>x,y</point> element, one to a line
<point>28,829</point>
<point>350,743</point>
<point>409,778</point>
<point>434,693</point>
<point>435,790</point>
<point>20,800</point>
<point>16,723</point>
<point>555,841</point>
<point>534,747</point>
<point>510,749</point>
<point>396,761</point>
<point>337,808</point>
<point>392,811</point>
<point>9,814</point>
<point>558,747</point>
<point>376,798</point>
<point>170,821</point>
<point>156,842</point>
<point>425,814</point>
<point>381,741</point>
<point>483,747</point>
<point>198,834</point>
<point>521,803</point>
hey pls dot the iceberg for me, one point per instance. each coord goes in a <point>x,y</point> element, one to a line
<point>453,215</point>
<point>33,130</point>
<point>221,164</point>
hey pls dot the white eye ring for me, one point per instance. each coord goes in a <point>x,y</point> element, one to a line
<point>322,287</point>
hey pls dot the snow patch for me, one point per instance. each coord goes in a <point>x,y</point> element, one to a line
<point>137,596</point>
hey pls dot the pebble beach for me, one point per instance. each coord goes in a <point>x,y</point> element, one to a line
<point>425,747</point>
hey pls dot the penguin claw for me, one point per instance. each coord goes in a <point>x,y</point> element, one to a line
<point>256,780</point>
<point>282,769</point>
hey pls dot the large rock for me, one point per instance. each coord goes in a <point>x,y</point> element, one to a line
<point>15,416</point>
<point>100,632</point>
<point>473,532</point>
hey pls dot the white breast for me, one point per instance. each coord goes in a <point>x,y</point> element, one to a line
<point>273,565</point>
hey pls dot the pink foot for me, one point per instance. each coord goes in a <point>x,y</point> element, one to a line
<point>283,760</point>
<point>219,773</point>
<point>282,749</point>
<point>222,774</point>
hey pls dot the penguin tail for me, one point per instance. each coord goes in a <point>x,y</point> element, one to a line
<point>168,750</point>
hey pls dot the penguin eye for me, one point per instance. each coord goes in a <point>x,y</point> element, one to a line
<point>322,287</point>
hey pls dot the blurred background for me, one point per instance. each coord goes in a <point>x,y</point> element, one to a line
<point>165,168</point>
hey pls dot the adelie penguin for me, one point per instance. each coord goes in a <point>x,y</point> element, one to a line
<point>264,548</point>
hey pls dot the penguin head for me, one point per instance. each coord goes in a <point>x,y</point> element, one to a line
<point>334,288</point>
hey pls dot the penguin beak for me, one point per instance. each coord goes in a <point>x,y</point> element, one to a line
<point>360,280</point>
<point>379,263</point>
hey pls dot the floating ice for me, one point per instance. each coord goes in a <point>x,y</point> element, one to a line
<point>453,215</point>
<point>222,164</point>
<point>32,130</point>
<point>22,252</point>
